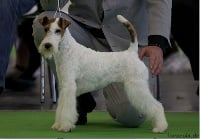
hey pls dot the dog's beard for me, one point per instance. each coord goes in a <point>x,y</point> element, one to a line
<point>47,53</point>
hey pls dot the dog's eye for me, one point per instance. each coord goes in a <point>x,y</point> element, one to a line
<point>57,31</point>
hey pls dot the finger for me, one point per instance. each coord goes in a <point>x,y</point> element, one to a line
<point>153,66</point>
<point>157,66</point>
<point>157,70</point>
<point>152,61</point>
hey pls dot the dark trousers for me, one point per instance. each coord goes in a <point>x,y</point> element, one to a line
<point>185,30</point>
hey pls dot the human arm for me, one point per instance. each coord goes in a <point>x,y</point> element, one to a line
<point>159,21</point>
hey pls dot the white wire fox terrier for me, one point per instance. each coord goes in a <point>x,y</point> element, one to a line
<point>81,70</point>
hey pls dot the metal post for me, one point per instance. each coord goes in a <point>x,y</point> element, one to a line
<point>42,80</point>
<point>52,83</point>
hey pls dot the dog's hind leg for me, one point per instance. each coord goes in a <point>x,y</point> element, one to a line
<point>140,97</point>
<point>66,114</point>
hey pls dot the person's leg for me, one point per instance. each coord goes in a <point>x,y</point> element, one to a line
<point>185,30</point>
<point>120,108</point>
<point>22,54</point>
<point>27,59</point>
<point>9,12</point>
<point>25,33</point>
<point>118,105</point>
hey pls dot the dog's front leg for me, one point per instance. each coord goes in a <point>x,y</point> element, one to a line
<point>66,114</point>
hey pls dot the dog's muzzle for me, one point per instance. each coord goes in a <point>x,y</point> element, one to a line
<point>46,50</point>
<point>47,46</point>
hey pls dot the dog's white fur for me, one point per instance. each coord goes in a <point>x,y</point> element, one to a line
<point>81,70</point>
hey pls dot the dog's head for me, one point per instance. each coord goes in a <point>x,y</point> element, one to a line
<point>54,31</point>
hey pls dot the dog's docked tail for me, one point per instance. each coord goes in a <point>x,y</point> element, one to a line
<point>131,30</point>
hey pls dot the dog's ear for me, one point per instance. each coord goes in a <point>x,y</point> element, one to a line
<point>63,23</point>
<point>44,21</point>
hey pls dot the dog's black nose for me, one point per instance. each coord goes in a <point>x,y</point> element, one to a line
<point>47,45</point>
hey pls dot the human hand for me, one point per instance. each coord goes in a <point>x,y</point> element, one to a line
<point>155,55</point>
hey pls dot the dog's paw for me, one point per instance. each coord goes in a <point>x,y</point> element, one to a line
<point>55,126</point>
<point>62,127</point>
<point>159,128</point>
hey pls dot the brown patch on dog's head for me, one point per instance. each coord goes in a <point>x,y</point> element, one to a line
<point>45,20</point>
<point>63,24</point>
